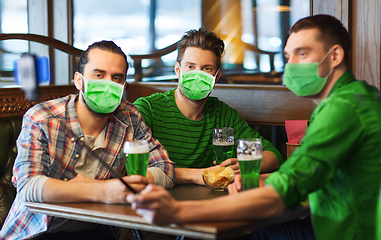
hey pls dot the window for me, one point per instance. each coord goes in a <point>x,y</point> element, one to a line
<point>138,27</point>
<point>145,25</point>
<point>142,26</point>
<point>265,23</point>
<point>13,19</point>
<point>274,21</point>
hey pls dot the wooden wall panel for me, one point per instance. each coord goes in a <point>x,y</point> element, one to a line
<point>323,7</point>
<point>257,104</point>
<point>366,36</point>
<point>265,104</point>
<point>339,8</point>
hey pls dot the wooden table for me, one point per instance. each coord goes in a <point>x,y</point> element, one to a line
<point>123,216</point>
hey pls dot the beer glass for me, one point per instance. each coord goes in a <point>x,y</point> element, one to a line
<point>249,154</point>
<point>136,157</point>
<point>223,143</point>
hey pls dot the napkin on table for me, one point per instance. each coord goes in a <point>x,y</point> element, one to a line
<point>295,130</point>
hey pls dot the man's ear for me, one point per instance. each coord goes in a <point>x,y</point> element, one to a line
<point>78,81</point>
<point>177,70</point>
<point>337,56</point>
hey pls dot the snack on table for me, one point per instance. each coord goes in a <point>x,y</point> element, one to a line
<point>218,178</point>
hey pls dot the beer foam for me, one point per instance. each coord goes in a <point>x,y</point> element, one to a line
<point>249,157</point>
<point>217,143</point>
<point>136,149</point>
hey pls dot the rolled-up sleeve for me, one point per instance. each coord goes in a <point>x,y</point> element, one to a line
<point>33,155</point>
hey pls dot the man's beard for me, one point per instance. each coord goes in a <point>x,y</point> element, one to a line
<point>95,114</point>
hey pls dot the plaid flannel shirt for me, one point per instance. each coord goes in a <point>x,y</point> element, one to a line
<point>49,144</point>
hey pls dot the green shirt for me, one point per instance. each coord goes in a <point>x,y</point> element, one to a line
<point>338,163</point>
<point>188,142</point>
<point>378,222</point>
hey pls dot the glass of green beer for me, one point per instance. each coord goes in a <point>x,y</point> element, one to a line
<point>223,143</point>
<point>249,154</point>
<point>136,157</point>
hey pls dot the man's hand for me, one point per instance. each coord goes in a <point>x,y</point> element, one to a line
<point>115,191</point>
<point>233,162</point>
<point>155,205</point>
<point>137,182</point>
<point>236,186</point>
<point>194,175</point>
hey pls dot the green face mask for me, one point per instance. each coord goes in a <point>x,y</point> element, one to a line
<point>101,95</point>
<point>196,84</point>
<point>303,78</point>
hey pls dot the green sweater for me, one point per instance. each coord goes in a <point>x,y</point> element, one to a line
<point>188,142</point>
<point>338,163</point>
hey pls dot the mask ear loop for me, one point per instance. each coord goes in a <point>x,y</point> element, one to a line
<point>215,75</point>
<point>214,78</point>
<point>324,59</point>
<point>325,56</point>
<point>83,83</point>
<point>124,84</point>
<point>330,72</point>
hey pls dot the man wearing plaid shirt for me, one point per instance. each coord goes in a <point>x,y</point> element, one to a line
<point>54,166</point>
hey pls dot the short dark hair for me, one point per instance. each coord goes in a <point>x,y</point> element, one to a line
<point>203,39</point>
<point>109,46</point>
<point>331,31</point>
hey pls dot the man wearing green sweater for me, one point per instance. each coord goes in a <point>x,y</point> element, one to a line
<point>183,118</point>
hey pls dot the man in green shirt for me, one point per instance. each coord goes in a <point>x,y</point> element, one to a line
<point>338,165</point>
<point>378,222</point>
<point>183,118</point>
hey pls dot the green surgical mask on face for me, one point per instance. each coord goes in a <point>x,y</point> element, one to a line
<point>197,84</point>
<point>303,78</point>
<point>102,95</point>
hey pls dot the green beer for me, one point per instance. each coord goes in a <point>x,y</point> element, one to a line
<point>249,154</point>
<point>136,157</point>
<point>223,143</point>
<point>223,151</point>
<point>249,169</point>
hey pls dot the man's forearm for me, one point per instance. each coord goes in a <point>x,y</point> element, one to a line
<point>269,162</point>
<point>156,176</point>
<point>55,190</point>
<point>252,204</point>
<point>85,189</point>
<point>189,175</point>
